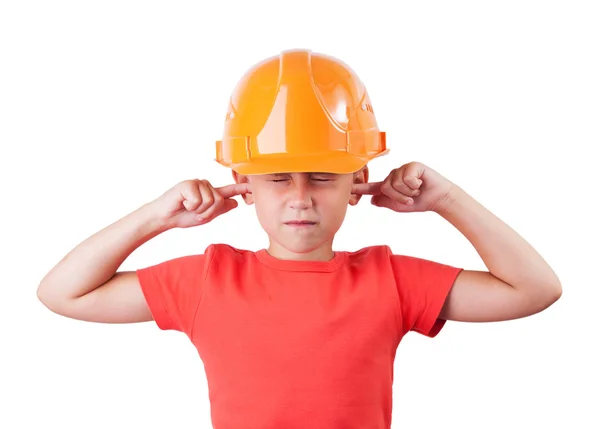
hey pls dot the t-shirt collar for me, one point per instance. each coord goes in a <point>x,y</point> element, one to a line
<point>292,265</point>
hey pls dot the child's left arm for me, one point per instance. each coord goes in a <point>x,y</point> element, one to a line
<point>519,282</point>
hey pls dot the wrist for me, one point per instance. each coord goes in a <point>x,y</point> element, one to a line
<point>151,219</point>
<point>448,204</point>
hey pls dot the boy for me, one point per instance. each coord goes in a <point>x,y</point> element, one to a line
<point>297,335</point>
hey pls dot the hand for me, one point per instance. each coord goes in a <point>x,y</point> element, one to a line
<point>196,202</point>
<point>414,187</point>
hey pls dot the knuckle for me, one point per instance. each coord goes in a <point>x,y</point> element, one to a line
<point>386,187</point>
<point>194,196</point>
<point>218,198</point>
<point>218,201</point>
<point>209,200</point>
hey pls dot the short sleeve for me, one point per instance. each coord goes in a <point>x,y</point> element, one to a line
<point>173,289</point>
<point>423,287</point>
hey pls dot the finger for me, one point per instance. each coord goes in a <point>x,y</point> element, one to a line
<point>392,186</point>
<point>371,188</point>
<point>216,206</point>
<point>413,182</point>
<point>391,203</point>
<point>412,175</point>
<point>227,205</point>
<point>398,185</point>
<point>234,189</point>
<point>206,195</point>
<point>383,201</point>
<point>192,196</point>
<point>398,182</point>
<point>389,191</point>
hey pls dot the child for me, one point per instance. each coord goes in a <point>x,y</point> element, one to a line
<point>299,335</point>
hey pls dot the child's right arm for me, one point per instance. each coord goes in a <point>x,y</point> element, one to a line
<point>85,284</point>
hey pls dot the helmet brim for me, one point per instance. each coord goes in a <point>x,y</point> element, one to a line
<point>336,163</point>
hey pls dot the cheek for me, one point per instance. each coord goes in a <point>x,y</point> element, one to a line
<point>266,205</point>
<point>335,203</point>
<point>264,196</point>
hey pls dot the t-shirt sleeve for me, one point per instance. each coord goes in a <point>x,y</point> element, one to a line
<point>173,290</point>
<point>423,286</point>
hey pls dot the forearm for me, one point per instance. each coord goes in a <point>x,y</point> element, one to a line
<point>505,253</point>
<point>95,260</point>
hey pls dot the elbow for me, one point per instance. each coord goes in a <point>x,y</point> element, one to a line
<point>44,291</point>
<point>40,294</point>
<point>550,294</point>
<point>43,297</point>
<point>556,292</point>
<point>57,303</point>
<point>554,288</point>
<point>549,289</point>
<point>538,298</point>
<point>49,299</point>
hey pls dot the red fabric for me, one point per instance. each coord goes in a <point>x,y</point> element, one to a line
<point>298,344</point>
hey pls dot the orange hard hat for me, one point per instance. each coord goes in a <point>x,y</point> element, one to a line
<point>299,111</point>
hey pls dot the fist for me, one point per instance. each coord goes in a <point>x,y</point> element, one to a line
<point>413,187</point>
<point>196,202</point>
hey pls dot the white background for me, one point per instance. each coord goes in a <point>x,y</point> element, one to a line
<point>106,105</point>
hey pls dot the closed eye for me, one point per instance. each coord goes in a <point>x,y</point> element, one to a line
<point>322,177</point>
<point>278,179</point>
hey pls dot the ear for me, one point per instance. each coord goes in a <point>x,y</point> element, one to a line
<point>240,178</point>
<point>361,176</point>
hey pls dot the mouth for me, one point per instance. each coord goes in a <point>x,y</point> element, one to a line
<point>300,223</point>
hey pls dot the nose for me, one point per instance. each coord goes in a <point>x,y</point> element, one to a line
<point>300,195</point>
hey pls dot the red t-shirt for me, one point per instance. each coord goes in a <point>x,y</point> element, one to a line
<point>298,344</point>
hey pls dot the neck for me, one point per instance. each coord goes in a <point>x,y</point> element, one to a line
<point>322,253</point>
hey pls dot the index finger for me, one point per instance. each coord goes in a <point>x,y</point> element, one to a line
<point>371,188</point>
<point>229,191</point>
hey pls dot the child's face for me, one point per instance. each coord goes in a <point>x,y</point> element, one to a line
<point>302,212</point>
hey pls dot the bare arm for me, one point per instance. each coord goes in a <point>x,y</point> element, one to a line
<point>85,284</point>
<point>519,282</point>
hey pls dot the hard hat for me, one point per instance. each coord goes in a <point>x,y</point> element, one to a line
<point>299,111</point>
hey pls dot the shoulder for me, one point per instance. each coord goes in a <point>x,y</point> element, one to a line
<point>223,250</point>
<point>376,252</point>
<point>377,255</point>
<point>191,264</point>
<point>225,255</point>
<point>397,262</point>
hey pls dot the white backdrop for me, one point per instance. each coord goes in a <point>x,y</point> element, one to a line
<point>105,105</point>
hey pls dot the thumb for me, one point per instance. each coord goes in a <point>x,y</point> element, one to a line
<point>228,205</point>
<point>381,200</point>
<point>385,201</point>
